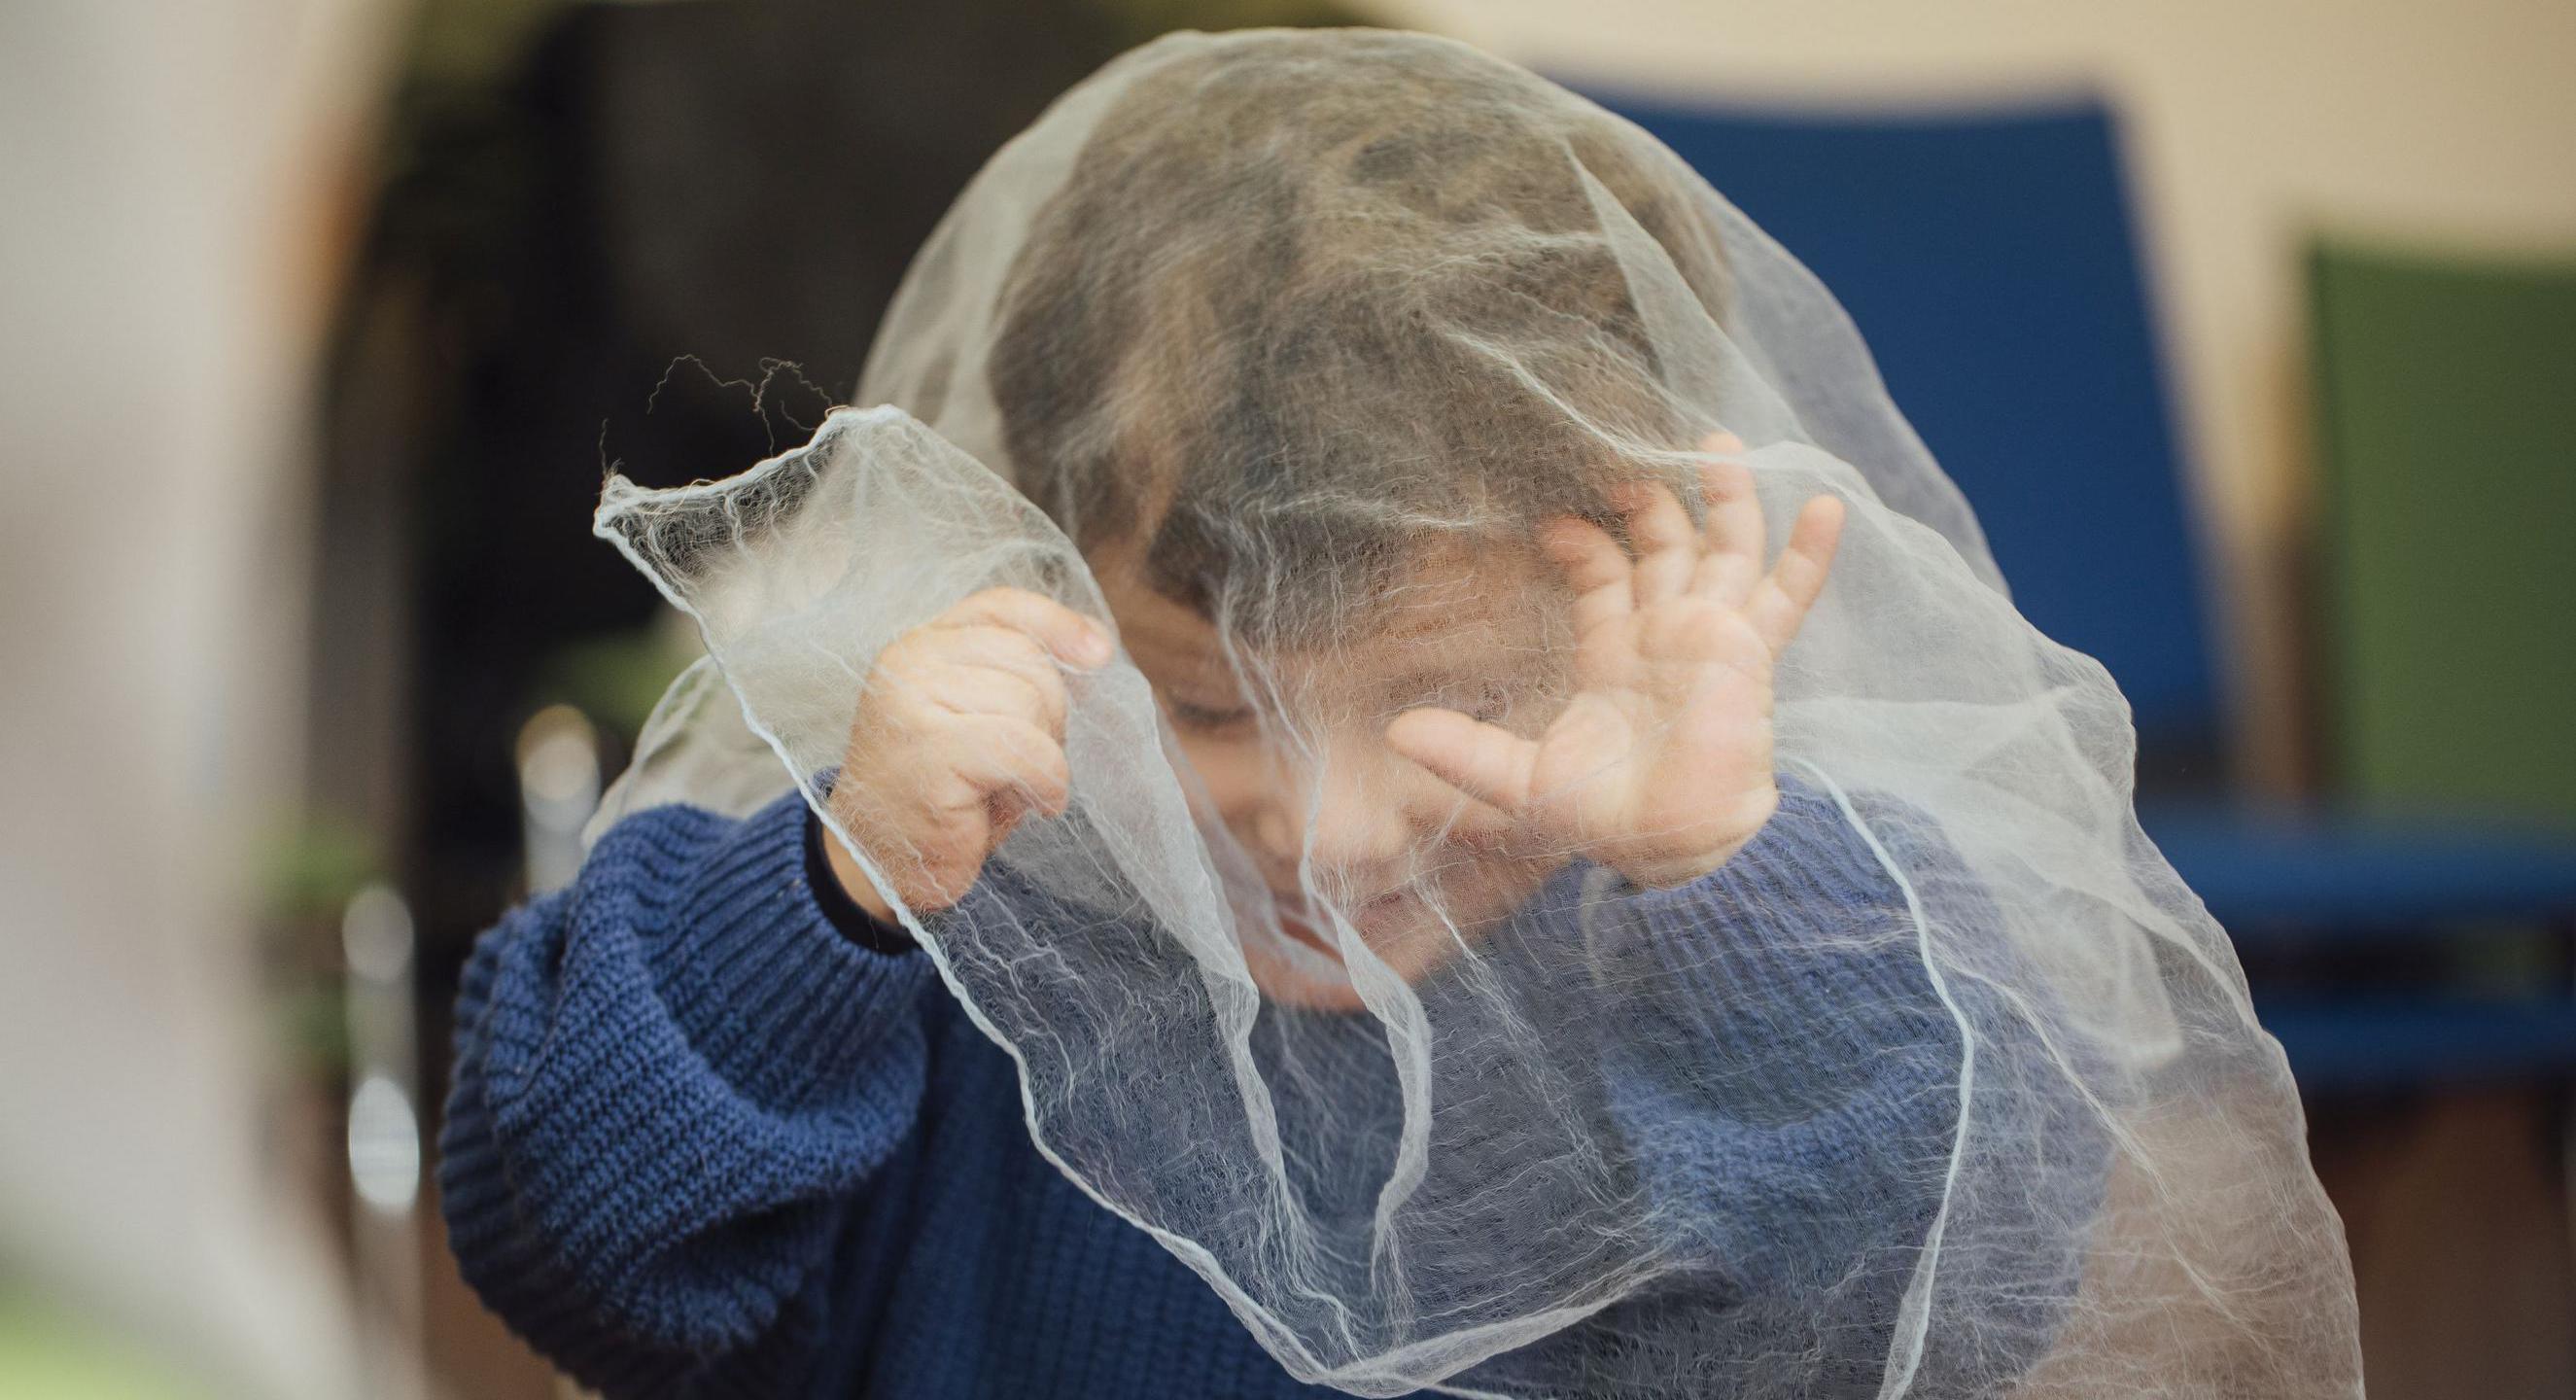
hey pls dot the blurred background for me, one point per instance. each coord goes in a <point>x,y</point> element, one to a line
<point>2248,327</point>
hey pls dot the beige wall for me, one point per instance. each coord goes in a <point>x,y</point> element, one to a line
<point>2250,123</point>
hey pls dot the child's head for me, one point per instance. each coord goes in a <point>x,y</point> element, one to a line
<point>1299,356</point>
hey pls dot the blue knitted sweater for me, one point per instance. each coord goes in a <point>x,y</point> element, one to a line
<point>705,1140</point>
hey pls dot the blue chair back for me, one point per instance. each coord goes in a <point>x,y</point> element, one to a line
<point>1989,260</point>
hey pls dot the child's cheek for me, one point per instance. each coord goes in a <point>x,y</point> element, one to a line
<point>1240,784</point>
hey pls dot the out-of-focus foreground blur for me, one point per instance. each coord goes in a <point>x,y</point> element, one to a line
<point>319,320</point>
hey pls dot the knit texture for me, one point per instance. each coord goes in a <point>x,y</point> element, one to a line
<point>702,1141</point>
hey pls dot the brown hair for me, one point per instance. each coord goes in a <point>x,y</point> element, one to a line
<point>1278,307</point>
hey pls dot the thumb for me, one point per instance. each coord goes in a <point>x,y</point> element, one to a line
<point>1485,761</point>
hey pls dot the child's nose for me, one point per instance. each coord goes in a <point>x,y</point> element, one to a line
<point>1363,825</point>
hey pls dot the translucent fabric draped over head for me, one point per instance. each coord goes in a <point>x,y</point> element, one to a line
<point>1284,353</point>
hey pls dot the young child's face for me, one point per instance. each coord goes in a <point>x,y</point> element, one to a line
<point>1415,866</point>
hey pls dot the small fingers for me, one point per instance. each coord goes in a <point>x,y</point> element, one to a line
<point>991,670</point>
<point>1487,762</point>
<point>1003,813</point>
<point>1008,759</point>
<point>1595,567</point>
<point>1779,604</point>
<point>1034,693</point>
<point>1733,563</point>
<point>1659,529</point>
<point>1067,635</point>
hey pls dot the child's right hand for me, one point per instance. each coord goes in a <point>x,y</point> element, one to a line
<point>960,734</point>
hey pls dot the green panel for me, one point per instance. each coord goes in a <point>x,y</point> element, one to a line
<point>47,1353</point>
<point>2447,403</point>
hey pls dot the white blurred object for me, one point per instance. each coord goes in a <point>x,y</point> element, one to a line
<point>384,1146</point>
<point>173,177</point>
<point>384,1133</point>
<point>558,790</point>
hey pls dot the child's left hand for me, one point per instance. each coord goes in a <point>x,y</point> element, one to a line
<point>1660,766</point>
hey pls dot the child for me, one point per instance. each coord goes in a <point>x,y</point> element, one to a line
<point>718,1128</point>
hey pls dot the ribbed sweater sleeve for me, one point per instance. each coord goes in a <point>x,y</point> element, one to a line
<point>1794,1081</point>
<point>673,1082</point>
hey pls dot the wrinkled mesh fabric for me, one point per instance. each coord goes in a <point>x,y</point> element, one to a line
<point>1941,1084</point>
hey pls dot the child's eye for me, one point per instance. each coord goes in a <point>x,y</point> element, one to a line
<point>1487,701</point>
<point>1203,717</point>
